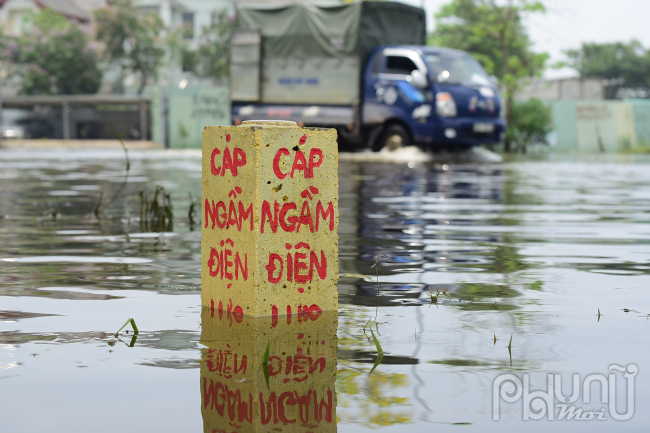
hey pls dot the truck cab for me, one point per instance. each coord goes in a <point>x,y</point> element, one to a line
<point>432,97</point>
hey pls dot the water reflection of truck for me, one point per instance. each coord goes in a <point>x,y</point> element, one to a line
<point>363,69</point>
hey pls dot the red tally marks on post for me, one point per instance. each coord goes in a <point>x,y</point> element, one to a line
<point>312,312</point>
<point>274,316</point>
<point>238,313</point>
<point>232,312</point>
<point>227,138</point>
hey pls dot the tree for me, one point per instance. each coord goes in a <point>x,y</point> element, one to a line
<point>211,58</point>
<point>132,39</point>
<point>52,56</point>
<point>531,123</point>
<point>495,36</point>
<point>624,66</point>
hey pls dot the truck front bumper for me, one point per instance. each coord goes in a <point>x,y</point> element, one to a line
<point>469,131</point>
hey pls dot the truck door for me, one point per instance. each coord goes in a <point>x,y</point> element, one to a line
<point>390,94</point>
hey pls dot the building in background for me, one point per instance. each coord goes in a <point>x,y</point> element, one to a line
<point>13,13</point>
<point>186,16</point>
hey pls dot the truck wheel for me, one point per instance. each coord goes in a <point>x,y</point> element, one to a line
<point>394,137</point>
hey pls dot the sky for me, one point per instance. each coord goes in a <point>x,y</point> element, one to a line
<point>568,23</point>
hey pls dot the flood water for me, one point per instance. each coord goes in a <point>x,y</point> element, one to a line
<point>527,252</point>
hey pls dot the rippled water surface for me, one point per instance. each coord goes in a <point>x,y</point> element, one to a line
<point>527,252</point>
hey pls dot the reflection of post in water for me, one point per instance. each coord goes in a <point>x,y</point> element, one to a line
<point>302,372</point>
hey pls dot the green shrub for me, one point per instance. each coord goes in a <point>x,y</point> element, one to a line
<point>53,56</point>
<point>530,124</point>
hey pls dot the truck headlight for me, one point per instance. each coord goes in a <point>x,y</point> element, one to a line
<point>445,105</point>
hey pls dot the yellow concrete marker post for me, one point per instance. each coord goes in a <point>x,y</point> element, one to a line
<point>270,219</point>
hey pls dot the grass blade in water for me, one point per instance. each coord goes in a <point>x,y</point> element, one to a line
<point>380,352</point>
<point>135,328</point>
<point>510,350</point>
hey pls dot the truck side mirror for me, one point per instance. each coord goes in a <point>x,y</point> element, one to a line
<point>418,79</point>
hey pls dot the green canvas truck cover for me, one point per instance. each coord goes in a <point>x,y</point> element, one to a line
<point>315,54</point>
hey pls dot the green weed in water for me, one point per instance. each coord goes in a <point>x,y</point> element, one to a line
<point>380,352</point>
<point>510,350</point>
<point>459,363</point>
<point>133,325</point>
<point>434,298</point>
<point>156,214</point>
<point>191,212</point>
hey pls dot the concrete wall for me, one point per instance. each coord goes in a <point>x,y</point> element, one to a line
<point>193,108</point>
<point>641,108</point>
<point>598,125</point>
<point>564,125</point>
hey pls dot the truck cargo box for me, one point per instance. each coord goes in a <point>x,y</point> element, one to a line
<point>312,54</point>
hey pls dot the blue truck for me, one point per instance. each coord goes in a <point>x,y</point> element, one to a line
<point>364,69</point>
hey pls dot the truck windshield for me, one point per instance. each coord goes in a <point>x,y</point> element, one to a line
<point>462,70</point>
